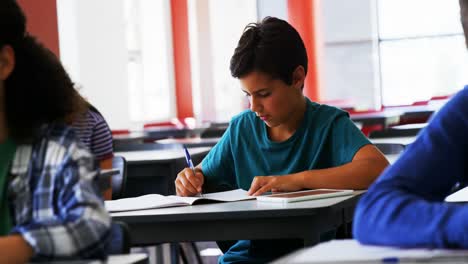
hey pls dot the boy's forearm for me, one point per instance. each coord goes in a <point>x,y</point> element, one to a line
<point>14,249</point>
<point>358,174</point>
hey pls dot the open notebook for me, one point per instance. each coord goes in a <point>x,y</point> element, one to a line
<point>151,201</point>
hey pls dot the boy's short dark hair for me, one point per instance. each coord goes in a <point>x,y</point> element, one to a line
<point>272,47</point>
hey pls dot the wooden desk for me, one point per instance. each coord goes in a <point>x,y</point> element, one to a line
<point>239,220</point>
<point>154,171</point>
<point>113,259</point>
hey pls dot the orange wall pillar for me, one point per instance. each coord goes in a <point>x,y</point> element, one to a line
<point>302,15</point>
<point>42,21</point>
<point>183,79</point>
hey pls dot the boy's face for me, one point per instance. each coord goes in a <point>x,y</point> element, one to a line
<point>272,100</point>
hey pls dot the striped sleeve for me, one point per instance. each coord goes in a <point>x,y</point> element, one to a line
<point>93,131</point>
<point>101,140</point>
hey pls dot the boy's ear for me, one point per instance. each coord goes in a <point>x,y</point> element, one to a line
<point>298,77</point>
<point>7,61</point>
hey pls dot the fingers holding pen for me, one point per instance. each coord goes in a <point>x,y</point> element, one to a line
<point>187,183</point>
<point>197,180</point>
<point>184,184</point>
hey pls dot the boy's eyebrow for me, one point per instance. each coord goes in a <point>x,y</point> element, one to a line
<point>257,91</point>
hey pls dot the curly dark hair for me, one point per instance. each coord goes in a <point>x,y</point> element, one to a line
<point>39,90</point>
<point>273,47</point>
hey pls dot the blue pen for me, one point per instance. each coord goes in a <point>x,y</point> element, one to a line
<point>190,163</point>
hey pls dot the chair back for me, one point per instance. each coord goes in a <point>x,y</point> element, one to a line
<point>119,180</point>
<point>120,239</point>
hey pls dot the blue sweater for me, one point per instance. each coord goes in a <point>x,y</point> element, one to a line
<point>405,207</point>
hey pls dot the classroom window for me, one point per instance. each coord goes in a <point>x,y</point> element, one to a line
<point>150,64</point>
<point>119,52</point>
<point>350,59</point>
<point>214,29</point>
<point>421,49</point>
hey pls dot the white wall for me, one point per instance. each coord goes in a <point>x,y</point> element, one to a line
<point>93,49</point>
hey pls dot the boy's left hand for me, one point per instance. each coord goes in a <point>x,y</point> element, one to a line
<point>286,183</point>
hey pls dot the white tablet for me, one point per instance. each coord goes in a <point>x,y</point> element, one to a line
<point>303,195</point>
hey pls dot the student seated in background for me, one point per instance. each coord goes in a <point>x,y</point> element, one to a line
<point>50,206</point>
<point>93,130</point>
<point>285,142</point>
<point>405,207</point>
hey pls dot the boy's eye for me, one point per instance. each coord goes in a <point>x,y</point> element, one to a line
<point>265,94</point>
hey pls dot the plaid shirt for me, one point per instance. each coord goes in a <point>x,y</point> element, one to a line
<point>55,201</point>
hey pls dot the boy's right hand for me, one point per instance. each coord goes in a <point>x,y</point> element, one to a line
<point>188,184</point>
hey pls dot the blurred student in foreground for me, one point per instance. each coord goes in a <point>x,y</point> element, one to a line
<point>50,206</point>
<point>405,207</point>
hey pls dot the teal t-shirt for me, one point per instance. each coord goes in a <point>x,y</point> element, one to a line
<point>326,138</point>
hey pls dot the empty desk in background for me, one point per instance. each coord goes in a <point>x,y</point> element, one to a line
<point>419,113</point>
<point>392,158</point>
<point>154,171</point>
<point>408,130</point>
<point>136,258</point>
<point>214,131</point>
<point>239,220</point>
<point>155,133</point>
<point>224,124</point>
<point>384,118</point>
<point>189,142</point>
<point>136,137</point>
<point>415,127</point>
<point>396,140</point>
